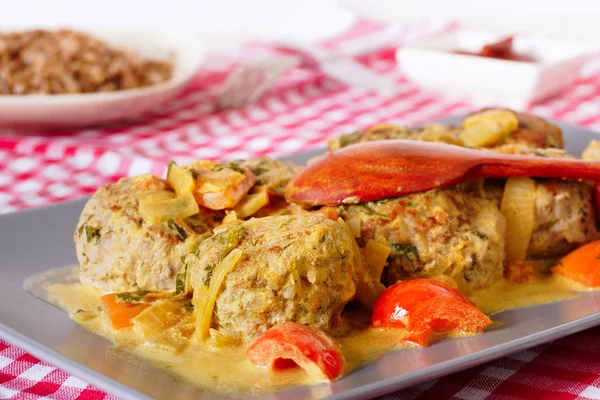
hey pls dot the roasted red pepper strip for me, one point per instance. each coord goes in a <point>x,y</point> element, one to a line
<point>427,307</point>
<point>310,348</point>
<point>443,316</point>
<point>397,302</point>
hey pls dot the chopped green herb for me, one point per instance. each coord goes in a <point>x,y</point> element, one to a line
<point>230,238</point>
<point>178,228</point>
<point>259,170</point>
<point>132,297</point>
<point>195,173</point>
<point>229,165</point>
<point>407,250</point>
<point>180,280</point>
<point>82,227</point>
<point>92,234</point>
<point>209,272</point>
<point>347,139</point>
<point>480,235</point>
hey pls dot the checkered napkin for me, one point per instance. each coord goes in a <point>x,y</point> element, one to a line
<point>304,109</point>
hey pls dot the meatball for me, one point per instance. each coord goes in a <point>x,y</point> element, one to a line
<point>564,216</point>
<point>293,268</point>
<point>430,133</point>
<point>536,132</point>
<point>119,252</point>
<point>436,232</point>
<point>564,212</point>
<point>532,132</point>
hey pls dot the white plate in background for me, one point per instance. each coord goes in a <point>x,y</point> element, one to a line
<point>433,66</point>
<point>85,109</point>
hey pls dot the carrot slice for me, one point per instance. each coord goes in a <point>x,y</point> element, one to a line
<point>120,312</point>
<point>582,265</point>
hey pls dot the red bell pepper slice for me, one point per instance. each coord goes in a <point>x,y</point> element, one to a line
<point>397,302</point>
<point>428,309</point>
<point>443,316</point>
<point>309,348</point>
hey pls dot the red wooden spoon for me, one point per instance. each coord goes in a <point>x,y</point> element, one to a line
<point>390,168</point>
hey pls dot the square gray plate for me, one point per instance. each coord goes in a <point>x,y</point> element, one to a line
<point>40,239</point>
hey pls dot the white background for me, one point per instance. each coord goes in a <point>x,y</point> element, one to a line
<point>220,21</point>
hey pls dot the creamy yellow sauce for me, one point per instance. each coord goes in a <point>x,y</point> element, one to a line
<point>227,370</point>
<point>505,295</point>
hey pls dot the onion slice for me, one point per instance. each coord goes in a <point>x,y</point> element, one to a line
<point>205,298</point>
<point>488,128</point>
<point>518,208</point>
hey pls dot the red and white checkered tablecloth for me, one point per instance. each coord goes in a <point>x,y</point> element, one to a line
<point>302,111</point>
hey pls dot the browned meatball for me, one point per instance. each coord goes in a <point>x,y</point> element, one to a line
<point>564,216</point>
<point>564,213</point>
<point>430,133</point>
<point>436,232</point>
<point>536,132</point>
<point>119,252</point>
<point>532,132</point>
<point>293,268</point>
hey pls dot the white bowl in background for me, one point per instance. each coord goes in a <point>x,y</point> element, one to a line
<point>433,66</point>
<point>85,109</point>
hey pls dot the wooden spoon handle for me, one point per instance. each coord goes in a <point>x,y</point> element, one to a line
<point>538,167</point>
